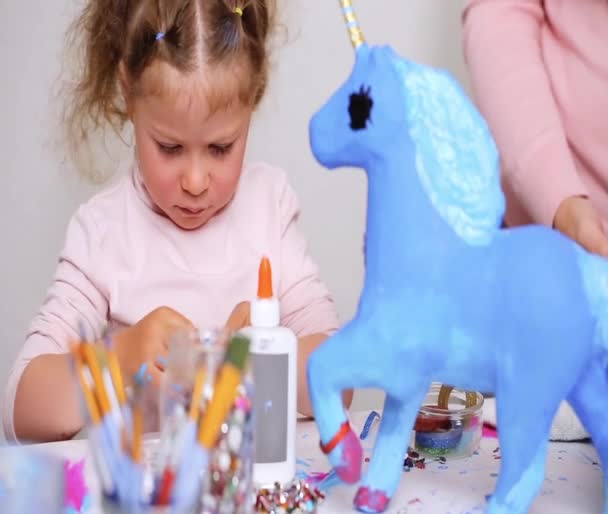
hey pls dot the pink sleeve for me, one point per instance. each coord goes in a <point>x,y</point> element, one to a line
<point>72,298</point>
<point>306,305</point>
<point>502,45</point>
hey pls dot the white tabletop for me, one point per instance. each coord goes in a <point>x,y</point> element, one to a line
<point>573,483</point>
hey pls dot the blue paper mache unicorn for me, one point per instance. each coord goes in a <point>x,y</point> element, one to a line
<point>448,295</point>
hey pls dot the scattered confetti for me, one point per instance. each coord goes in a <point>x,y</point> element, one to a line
<point>329,481</point>
<point>299,497</point>
<point>314,477</point>
<point>301,475</point>
<point>496,453</point>
<point>412,460</point>
<point>588,459</point>
<point>368,424</point>
<point>489,431</point>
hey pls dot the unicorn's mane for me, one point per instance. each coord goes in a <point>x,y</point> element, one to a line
<point>456,157</point>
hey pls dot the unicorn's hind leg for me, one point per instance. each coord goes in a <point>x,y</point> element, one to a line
<point>386,466</point>
<point>340,363</point>
<point>588,399</point>
<point>523,441</point>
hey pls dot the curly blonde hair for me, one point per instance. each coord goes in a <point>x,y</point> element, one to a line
<point>117,38</point>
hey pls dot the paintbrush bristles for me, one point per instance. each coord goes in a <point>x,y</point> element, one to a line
<point>237,353</point>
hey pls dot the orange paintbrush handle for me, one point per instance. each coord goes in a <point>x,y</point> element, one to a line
<point>196,393</point>
<point>138,429</point>
<point>116,377</point>
<point>89,354</point>
<point>86,390</point>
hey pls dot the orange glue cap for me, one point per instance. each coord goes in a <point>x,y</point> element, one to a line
<point>265,279</point>
<point>265,308</point>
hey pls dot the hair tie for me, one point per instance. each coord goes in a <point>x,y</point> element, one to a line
<point>159,36</point>
<point>238,11</point>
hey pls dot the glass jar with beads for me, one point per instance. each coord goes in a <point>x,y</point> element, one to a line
<point>449,423</point>
<point>195,361</point>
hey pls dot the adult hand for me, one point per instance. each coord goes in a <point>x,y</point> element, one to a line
<point>578,219</point>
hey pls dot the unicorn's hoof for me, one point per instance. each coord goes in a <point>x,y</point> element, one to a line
<point>367,500</point>
<point>345,454</point>
<point>349,467</point>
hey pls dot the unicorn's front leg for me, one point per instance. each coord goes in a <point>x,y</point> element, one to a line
<point>340,363</point>
<point>386,466</point>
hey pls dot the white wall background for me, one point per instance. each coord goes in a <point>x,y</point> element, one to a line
<point>40,192</point>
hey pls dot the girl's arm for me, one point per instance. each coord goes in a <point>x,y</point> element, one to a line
<point>305,347</point>
<point>46,405</point>
<point>41,401</point>
<point>307,307</point>
<point>240,317</point>
<point>502,45</point>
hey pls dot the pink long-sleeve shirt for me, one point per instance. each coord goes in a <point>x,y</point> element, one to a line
<point>539,73</point>
<point>122,259</point>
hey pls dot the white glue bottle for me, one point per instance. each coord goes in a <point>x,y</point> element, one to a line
<point>274,351</point>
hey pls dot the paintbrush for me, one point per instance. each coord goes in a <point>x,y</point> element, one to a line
<point>184,439</point>
<point>224,395</point>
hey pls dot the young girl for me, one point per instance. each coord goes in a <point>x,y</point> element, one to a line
<point>177,242</point>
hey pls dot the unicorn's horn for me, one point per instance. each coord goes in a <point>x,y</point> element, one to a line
<point>356,36</point>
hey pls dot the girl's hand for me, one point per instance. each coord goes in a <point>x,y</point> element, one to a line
<point>239,318</point>
<point>577,218</point>
<point>147,340</point>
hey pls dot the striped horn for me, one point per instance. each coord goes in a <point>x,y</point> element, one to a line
<point>356,36</point>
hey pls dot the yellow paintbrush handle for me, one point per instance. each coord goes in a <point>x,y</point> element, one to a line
<point>219,406</point>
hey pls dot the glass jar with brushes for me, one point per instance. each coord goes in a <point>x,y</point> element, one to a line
<point>200,463</point>
<point>190,382</point>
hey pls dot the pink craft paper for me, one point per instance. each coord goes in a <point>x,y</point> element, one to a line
<point>76,487</point>
<point>489,431</point>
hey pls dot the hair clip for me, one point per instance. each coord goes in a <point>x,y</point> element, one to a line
<point>238,11</point>
<point>160,35</point>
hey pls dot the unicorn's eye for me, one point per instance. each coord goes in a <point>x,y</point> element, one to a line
<point>360,108</point>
